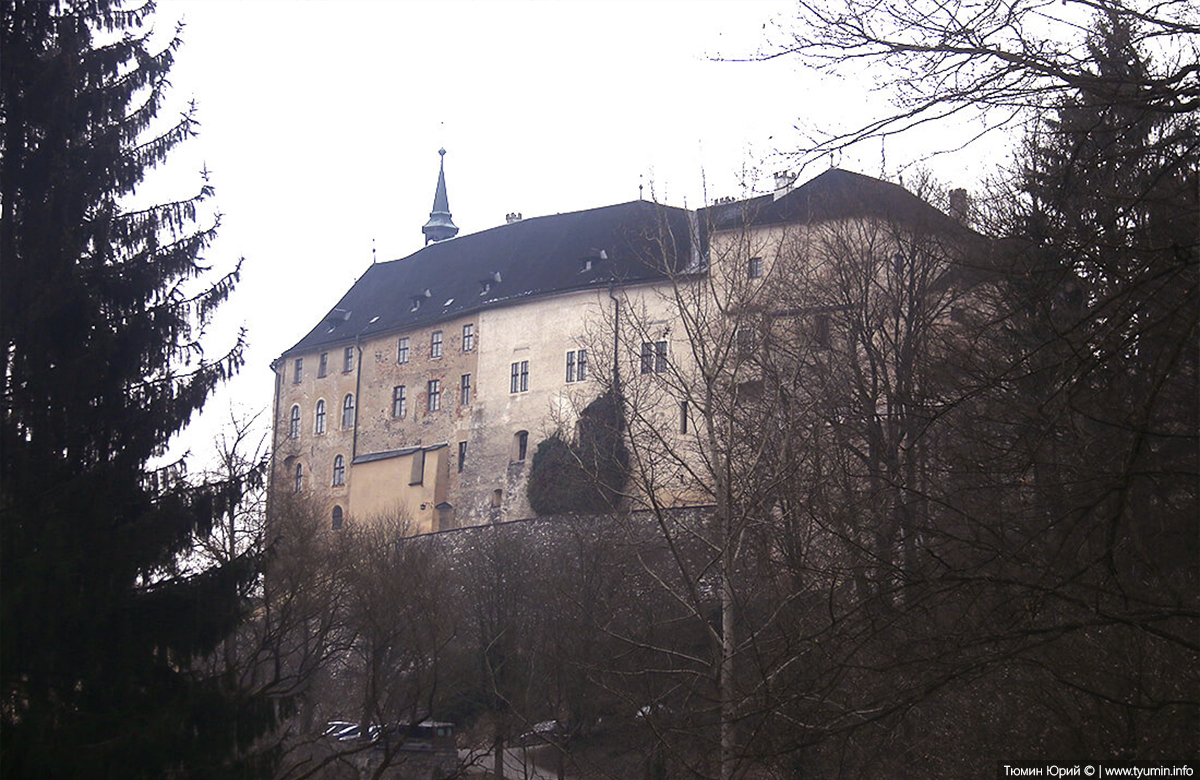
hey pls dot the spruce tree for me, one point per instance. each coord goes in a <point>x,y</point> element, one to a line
<point>101,314</point>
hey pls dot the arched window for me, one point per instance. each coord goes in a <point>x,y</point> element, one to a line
<point>337,518</point>
<point>520,445</point>
<point>299,477</point>
<point>294,428</point>
<point>348,411</point>
<point>339,470</point>
<point>320,424</point>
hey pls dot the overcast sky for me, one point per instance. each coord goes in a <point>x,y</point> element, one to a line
<point>321,121</point>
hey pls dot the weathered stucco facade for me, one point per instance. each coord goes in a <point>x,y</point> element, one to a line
<point>425,391</point>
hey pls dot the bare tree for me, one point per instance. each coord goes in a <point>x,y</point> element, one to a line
<point>1001,62</point>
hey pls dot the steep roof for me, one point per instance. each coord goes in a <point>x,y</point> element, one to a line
<point>630,242</point>
<point>834,194</point>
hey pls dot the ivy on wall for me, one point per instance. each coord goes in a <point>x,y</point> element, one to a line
<point>587,475</point>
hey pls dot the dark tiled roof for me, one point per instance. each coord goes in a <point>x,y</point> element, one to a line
<point>834,194</point>
<point>641,241</point>
<point>533,257</point>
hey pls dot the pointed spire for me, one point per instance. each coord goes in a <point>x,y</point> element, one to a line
<point>440,226</point>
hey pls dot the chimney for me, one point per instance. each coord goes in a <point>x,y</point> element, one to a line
<point>960,205</point>
<point>511,217</point>
<point>785,181</point>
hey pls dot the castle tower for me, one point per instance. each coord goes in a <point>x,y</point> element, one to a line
<point>440,226</point>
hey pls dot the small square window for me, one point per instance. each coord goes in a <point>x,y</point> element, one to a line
<point>435,395</point>
<point>435,344</point>
<point>468,337</point>
<point>402,350</point>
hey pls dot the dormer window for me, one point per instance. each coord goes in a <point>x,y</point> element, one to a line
<point>589,263</point>
<point>485,285</point>
<point>419,298</point>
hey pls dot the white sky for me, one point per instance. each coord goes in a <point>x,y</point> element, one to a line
<point>321,123</point>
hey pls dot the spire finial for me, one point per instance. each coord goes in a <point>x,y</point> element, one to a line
<point>440,226</point>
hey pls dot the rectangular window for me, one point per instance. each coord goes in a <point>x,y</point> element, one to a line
<point>745,341</point>
<point>323,366</point>
<point>348,360</point>
<point>402,351</point>
<point>822,331</point>
<point>435,344</point>
<point>464,390</point>
<point>577,365</point>
<point>755,269</point>
<point>399,401</point>
<point>435,395</point>
<point>654,357</point>
<point>462,455</point>
<point>468,341</point>
<point>519,379</point>
<point>298,374</point>
<point>683,417</point>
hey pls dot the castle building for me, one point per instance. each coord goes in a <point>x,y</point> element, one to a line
<point>424,391</point>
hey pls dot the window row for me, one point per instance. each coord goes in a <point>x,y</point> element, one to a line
<point>319,417</point>
<point>433,396</point>
<point>323,365</point>
<point>339,474</point>
<point>402,353</point>
<point>436,342</point>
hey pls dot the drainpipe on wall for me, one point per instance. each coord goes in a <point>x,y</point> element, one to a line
<point>612,284</point>
<point>271,474</point>
<point>357,400</point>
